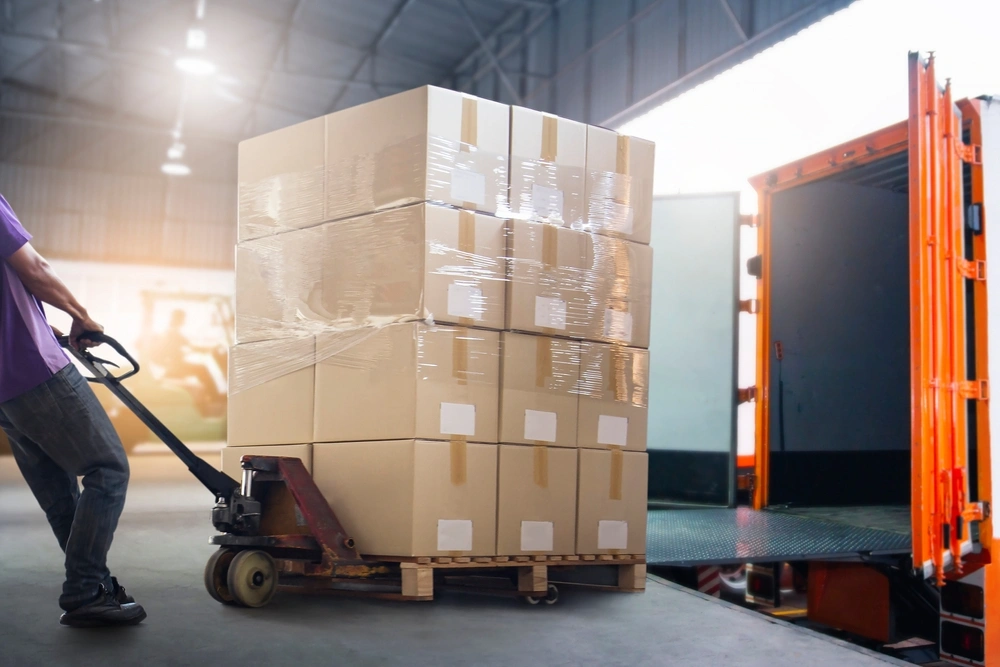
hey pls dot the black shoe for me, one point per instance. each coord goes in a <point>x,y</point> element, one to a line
<point>104,611</point>
<point>118,591</point>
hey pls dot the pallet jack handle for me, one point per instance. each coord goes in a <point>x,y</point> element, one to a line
<point>219,483</point>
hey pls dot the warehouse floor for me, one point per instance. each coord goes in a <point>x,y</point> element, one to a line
<point>161,549</point>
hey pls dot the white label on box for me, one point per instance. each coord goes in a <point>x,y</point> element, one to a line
<point>550,313</point>
<point>458,419</point>
<point>539,426</point>
<point>618,325</point>
<point>547,202</point>
<point>465,301</point>
<point>612,430</point>
<point>455,535</point>
<point>468,186</point>
<point>612,535</point>
<point>536,536</point>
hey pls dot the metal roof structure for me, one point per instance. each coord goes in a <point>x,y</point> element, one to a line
<point>92,87</point>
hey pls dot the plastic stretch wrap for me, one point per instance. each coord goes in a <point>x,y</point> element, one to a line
<point>420,262</point>
<point>548,164</point>
<point>614,373</point>
<point>428,144</point>
<point>564,282</point>
<point>619,185</point>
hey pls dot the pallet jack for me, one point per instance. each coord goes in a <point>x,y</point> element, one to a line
<point>274,522</point>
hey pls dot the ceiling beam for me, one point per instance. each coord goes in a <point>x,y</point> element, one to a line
<point>731,15</point>
<point>488,50</point>
<point>282,48</point>
<point>131,55</point>
<point>383,34</point>
<point>801,17</point>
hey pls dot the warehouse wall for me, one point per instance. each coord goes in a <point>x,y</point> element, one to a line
<point>97,194</point>
<point>605,62</point>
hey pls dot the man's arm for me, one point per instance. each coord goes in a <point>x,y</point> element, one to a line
<point>39,278</point>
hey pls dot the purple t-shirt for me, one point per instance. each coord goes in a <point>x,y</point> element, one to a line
<point>29,351</point>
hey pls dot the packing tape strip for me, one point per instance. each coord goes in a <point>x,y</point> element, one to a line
<point>617,472</point>
<point>470,134</point>
<point>467,232</point>
<point>550,137</point>
<point>470,123</point>
<point>466,245</point>
<point>543,360</point>
<point>550,246</point>
<point>623,157</point>
<point>541,465</point>
<point>618,363</point>
<point>460,355</point>
<point>459,460</point>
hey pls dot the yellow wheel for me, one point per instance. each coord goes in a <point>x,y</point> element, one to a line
<point>216,572</point>
<point>252,578</point>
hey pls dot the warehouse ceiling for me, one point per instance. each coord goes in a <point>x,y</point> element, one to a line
<point>269,63</point>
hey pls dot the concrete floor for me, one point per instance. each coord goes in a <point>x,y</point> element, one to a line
<point>161,548</point>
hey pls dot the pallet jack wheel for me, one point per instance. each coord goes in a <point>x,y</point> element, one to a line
<point>216,571</point>
<point>252,578</point>
<point>551,597</point>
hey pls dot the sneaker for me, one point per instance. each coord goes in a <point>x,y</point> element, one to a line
<point>104,611</point>
<point>118,591</point>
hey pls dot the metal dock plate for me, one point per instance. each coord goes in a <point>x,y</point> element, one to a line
<point>684,537</point>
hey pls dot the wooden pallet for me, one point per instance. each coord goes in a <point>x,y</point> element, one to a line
<point>419,578</point>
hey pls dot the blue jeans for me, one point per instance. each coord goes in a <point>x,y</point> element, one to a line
<point>58,432</point>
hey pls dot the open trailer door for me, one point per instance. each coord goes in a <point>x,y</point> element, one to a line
<point>693,349</point>
<point>947,387</point>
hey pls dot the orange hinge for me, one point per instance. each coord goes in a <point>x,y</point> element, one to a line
<point>748,220</point>
<point>751,306</point>
<point>973,270</point>
<point>974,390</point>
<point>746,395</point>
<point>971,153</point>
<point>975,512</point>
<point>746,482</point>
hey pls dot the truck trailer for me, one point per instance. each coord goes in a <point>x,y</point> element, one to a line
<point>872,471</point>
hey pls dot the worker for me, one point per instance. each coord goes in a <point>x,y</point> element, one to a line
<point>59,432</point>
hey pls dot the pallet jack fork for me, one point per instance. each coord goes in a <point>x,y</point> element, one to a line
<point>275,522</point>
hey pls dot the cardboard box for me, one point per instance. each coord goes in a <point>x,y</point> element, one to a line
<point>427,144</point>
<point>551,280</point>
<point>548,160</point>
<point>407,381</point>
<point>417,262</point>
<point>231,456</point>
<point>536,506</point>
<point>614,395</point>
<point>538,383</point>
<point>271,387</point>
<point>282,180</point>
<point>611,506</point>
<point>412,497</point>
<point>624,291</point>
<point>619,188</point>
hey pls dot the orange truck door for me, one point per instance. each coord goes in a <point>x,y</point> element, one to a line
<point>946,522</point>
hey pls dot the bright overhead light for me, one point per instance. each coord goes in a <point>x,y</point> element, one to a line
<point>176,151</point>
<point>194,65</point>
<point>196,39</point>
<point>175,169</point>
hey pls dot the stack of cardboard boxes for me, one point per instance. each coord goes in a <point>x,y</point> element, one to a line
<point>442,307</point>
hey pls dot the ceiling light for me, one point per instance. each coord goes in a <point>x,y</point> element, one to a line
<point>175,169</point>
<point>195,65</point>
<point>196,39</point>
<point>176,151</point>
